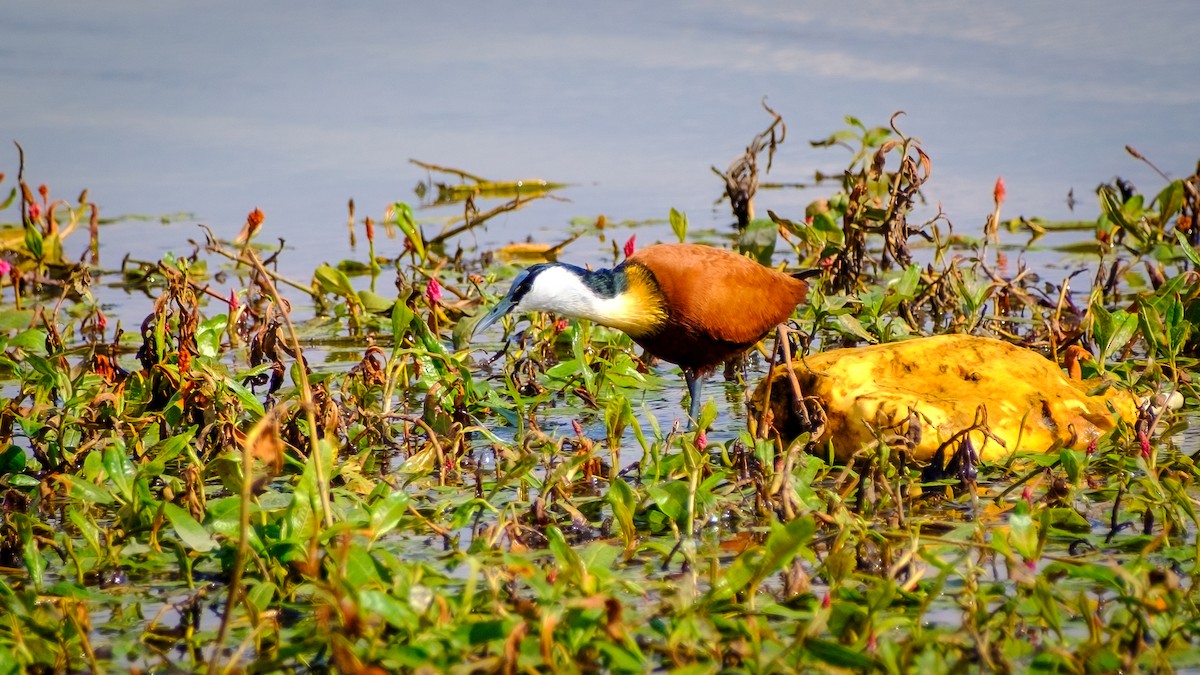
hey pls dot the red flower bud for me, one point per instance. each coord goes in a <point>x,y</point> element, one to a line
<point>35,212</point>
<point>629,245</point>
<point>253,221</point>
<point>433,292</point>
<point>701,440</point>
<point>999,192</point>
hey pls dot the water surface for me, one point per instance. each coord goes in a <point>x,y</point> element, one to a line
<point>216,108</point>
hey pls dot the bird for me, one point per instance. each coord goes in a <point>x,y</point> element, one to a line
<point>692,305</point>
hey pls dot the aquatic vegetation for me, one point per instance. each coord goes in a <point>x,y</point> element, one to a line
<point>322,474</point>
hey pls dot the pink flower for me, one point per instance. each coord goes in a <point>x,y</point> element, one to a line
<point>629,245</point>
<point>233,300</point>
<point>1145,443</point>
<point>560,325</point>
<point>999,192</point>
<point>35,212</point>
<point>5,268</point>
<point>433,292</point>
<point>701,440</point>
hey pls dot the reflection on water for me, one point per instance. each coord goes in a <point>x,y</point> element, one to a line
<point>294,108</point>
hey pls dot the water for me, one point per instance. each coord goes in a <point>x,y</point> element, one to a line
<point>213,109</point>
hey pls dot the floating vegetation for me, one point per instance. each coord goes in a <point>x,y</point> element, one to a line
<point>326,474</point>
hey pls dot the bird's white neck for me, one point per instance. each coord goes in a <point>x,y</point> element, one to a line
<point>563,291</point>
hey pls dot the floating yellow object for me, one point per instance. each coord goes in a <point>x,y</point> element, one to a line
<point>921,392</point>
<point>533,252</point>
<point>528,251</point>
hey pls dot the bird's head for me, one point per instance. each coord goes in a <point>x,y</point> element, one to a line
<point>625,298</point>
<point>547,287</point>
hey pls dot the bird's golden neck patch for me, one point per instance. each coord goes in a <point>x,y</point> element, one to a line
<point>638,308</point>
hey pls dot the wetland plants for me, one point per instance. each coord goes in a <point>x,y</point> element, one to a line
<point>318,475</point>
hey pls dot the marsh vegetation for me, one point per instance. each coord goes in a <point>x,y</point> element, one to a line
<point>264,473</point>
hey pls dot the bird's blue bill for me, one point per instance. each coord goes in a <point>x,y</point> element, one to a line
<point>503,307</point>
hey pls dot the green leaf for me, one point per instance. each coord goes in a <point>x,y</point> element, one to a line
<point>1066,519</point>
<point>120,471</point>
<point>1071,461</point>
<point>334,281</point>
<point>87,528</point>
<point>23,481</point>
<point>679,224</point>
<point>1022,532</point>
<point>35,564</point>
<point>671,497</point>
<point>208,335</point>
<point>839,656</point>
<point>784,542</point>
<point>387,513</point>
<point>758,239</point>
<point>852,326</point>
<point>83,491</point>
<point>1178,328</point>
<point>906,286</point>
<point>1170,201</point>
<point>1112,330</point>
<point>12,460</point>
<point>16,319</point>
<point>32,340</point>
<point>33,241</point>
<point>188,529</point>
<point>484,632</point>
<point>1186,248</point>
<point>402,318</point>
<point>249,401</point>
<point>170,448</point>
<point>407,223</point>
<point>1114,210</point>
<point>621,498</point>
<point>375,603</point>
<point>568,559</point>
<point>374,303</point>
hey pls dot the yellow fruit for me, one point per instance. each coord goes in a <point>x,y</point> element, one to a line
<point>919,393</point>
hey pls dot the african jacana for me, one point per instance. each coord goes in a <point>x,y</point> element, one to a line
<point>691,305</point>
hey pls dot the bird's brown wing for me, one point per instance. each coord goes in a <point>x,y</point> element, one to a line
<point>722,295</point>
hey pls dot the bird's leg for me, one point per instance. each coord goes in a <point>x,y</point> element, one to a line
<point>695,382</point>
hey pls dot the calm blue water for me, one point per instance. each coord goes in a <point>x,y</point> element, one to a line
<point>216,108</point>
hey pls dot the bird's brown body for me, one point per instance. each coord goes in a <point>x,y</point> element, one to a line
<point>717,303</point>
